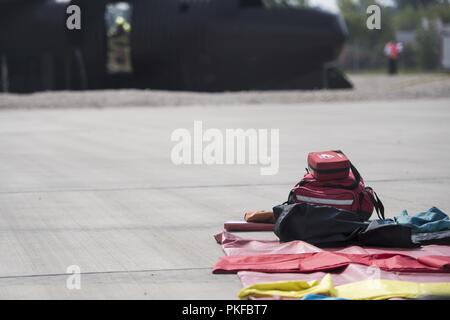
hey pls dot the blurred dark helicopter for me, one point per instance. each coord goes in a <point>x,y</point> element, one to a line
<point>194,45</point>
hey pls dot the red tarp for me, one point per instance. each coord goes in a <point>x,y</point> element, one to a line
<point>330,261</point>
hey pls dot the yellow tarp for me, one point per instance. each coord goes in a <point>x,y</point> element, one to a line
<point>362,290</point>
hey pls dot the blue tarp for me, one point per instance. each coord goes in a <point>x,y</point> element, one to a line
<point>433,220</point>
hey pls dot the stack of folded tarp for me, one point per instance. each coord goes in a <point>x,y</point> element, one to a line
<point>327,253</point>
<point>327,248</point>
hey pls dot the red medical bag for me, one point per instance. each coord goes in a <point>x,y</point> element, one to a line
<point>328,165</point>
<point>343,188</point>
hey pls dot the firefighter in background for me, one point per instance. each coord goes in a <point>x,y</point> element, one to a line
<point>392,50</point>
<point>119,28</point>
<point>119,52</point>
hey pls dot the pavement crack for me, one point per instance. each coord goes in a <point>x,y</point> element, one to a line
<point>101,272</point>
<point>243,185</point>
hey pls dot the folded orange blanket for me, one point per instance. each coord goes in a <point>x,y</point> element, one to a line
<point>259,216</point>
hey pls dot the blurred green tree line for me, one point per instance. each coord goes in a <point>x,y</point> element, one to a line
<point>421,19</point>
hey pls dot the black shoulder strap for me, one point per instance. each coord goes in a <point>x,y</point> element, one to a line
<point>377,204</point>
<point>291,198</point>
<point>356,174</point>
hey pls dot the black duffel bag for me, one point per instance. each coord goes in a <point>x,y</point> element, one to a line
<point>325,226</point>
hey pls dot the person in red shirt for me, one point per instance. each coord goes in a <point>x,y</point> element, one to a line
<point>392,50</point>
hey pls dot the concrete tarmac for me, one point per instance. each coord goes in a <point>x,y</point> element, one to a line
<point>97,188</point>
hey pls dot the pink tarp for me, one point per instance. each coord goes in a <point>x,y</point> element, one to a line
<point>234,245</point>
<point>352,273</point>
